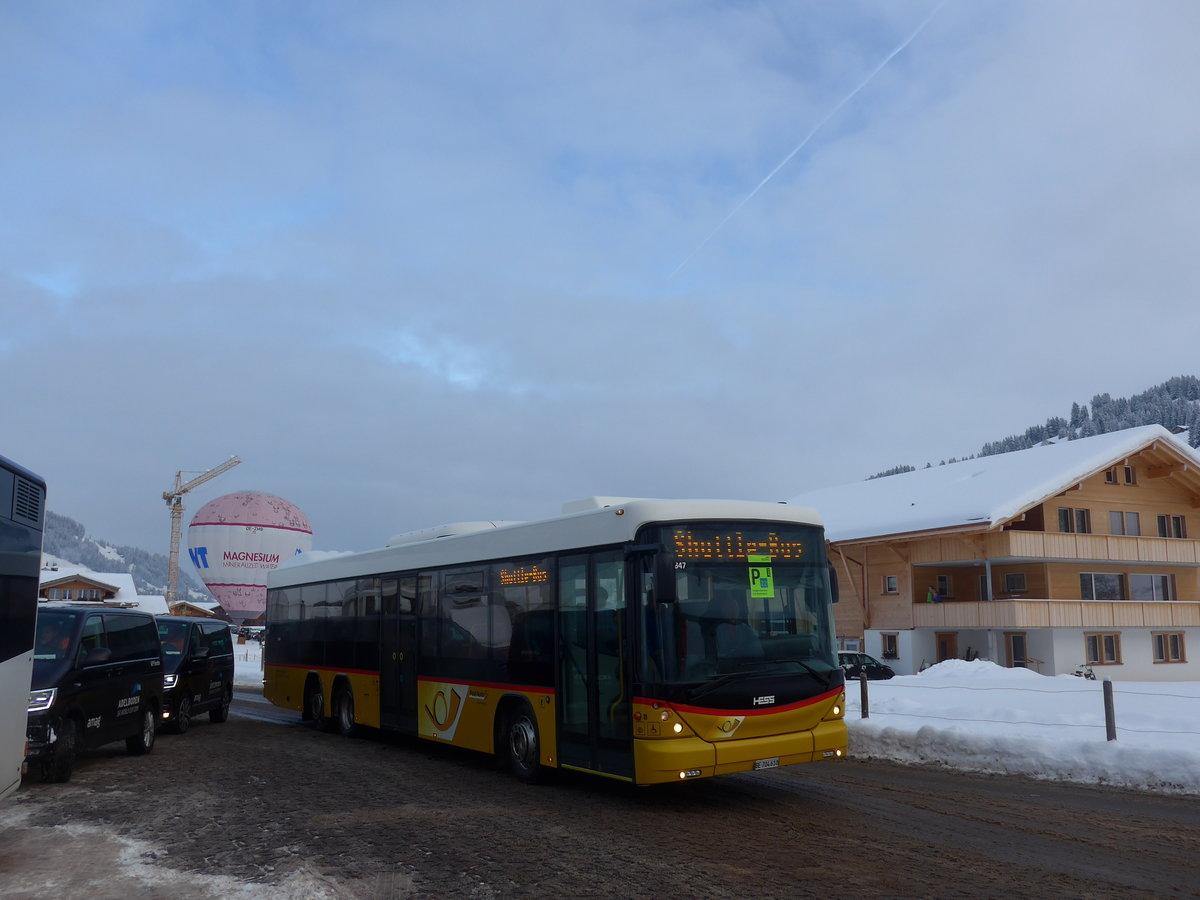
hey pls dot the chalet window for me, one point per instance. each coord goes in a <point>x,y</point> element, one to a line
<point>1077,521</point>
<point>891,584</point>
<point>1130,475</point>
<point>1129,523</point>
<point>1101,586</point>
<point>1172,526</point>
<point>1110,477</point>
<point>1014,582</point>
<point>1168,647</point>
<point>1149,588</point>
<point>889,646</point>
<point>944,586</point>
<point>1102,648</point>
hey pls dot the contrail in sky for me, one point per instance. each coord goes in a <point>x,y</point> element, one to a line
<point>808,137</point>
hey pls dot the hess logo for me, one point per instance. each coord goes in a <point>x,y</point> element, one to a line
<point>766,700</point>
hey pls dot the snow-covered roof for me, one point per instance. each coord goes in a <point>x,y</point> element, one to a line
<point>126,592</point>
<point>985,492</point>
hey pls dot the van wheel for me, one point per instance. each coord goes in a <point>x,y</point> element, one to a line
<point>220,712</point>
<point>314,705</point>
<point>143,741</point>
<point>521,744</point>
<point>183,718</point>
<point>58,767</point>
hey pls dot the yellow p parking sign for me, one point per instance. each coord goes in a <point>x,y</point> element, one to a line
<point>762,580</point>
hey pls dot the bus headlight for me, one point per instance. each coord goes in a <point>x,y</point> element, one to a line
<point>40,701</point>
<point>169,681</point>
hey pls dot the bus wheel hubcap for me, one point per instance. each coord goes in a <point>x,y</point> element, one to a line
<point>523,741</point>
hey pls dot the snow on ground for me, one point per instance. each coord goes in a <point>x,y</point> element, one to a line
<point>247,665</point>
<point>981,717</point>
<point>77,860</point>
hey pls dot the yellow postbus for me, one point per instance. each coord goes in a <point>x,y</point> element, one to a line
<point>644,640</point>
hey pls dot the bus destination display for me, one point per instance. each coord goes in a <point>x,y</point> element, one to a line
<point>734,545</point>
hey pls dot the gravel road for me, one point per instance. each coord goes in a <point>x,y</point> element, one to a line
<point>259,809</point>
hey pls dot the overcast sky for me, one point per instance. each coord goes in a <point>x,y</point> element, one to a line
<point>424,262</point>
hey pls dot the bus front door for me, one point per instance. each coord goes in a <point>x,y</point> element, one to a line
<point>594,705</point>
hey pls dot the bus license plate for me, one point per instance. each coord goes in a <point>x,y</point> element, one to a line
<point>767,763</point>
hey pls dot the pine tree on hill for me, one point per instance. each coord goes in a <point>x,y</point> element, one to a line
<point>1174,404</point>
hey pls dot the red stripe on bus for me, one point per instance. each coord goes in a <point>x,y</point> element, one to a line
<point>757,711</point>
<point>524,688</point>
<point>528,689</point>
<point>324,669</point>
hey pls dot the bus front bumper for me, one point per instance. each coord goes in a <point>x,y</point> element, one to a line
<point>658,761</point>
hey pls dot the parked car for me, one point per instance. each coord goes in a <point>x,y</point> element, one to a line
<point>197,668</point>
<point>855,664</point>
<point>97,678</point>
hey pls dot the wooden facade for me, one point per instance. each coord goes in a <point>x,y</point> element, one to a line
<point>1116,550</point>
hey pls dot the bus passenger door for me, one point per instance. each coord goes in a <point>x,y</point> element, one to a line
<point>398,657</point>
<point>594,703</point>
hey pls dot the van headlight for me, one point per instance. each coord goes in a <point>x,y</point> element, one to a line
<point>169,681</point>
<point>40,701</point>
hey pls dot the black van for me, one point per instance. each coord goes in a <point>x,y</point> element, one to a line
<point>97,678</point>
<point>197,669</point>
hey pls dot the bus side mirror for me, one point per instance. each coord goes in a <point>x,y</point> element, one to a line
<point>833,583</point>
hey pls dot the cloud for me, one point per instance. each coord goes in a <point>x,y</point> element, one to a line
<point>413,263</point>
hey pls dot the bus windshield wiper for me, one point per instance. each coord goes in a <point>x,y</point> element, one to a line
<point>825,678</point>
<point>707,687</point>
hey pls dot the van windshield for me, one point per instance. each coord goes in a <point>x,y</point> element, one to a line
<point>174,637</point>
<point>54,632</point>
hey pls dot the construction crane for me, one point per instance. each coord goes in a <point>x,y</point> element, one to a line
<point>174,500</point>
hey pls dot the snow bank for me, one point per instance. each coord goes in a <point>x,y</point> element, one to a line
<point>980,717</point>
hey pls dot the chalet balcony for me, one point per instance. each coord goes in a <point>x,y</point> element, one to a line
<point>1090,614</point>
<point>1003,546</point>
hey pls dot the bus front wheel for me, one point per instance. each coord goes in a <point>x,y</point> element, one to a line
<point>521,744</point>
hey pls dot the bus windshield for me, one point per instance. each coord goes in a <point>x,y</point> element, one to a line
<point>711,623</point>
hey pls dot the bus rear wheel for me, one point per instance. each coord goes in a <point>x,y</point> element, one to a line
<point>343,711</point>
<point>521,744</point>
<point>314,704</point>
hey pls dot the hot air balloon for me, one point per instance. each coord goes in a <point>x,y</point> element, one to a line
<point>235,540</point>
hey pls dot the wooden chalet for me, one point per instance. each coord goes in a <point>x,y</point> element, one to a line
<point>1071,553</point>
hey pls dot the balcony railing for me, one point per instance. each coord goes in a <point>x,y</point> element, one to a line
<point>1052,545</point>
<point>1057,614</point>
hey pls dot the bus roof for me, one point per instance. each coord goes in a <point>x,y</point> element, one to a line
<point>7,463</point>
<point>597,527</point>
